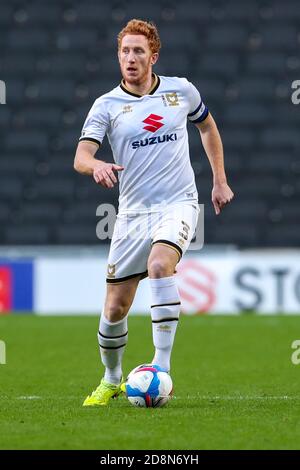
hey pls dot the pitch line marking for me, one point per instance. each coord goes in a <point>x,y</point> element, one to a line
<point>29,397</point>
<point>175,397</point>
<point>238,397</point>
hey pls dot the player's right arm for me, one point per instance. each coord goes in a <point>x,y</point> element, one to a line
<point>86,164</point>
<point>94,129</point>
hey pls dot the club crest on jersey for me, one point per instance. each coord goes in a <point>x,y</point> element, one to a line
<point>111,270</point>
<point>153,123</point>
<point>170,99</point>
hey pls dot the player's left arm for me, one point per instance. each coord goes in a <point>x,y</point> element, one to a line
<point>212,143</point>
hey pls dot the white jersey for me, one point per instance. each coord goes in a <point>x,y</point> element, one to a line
<point>148,136</point>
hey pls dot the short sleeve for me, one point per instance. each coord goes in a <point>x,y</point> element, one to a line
<point>96,123</point>
<point>197,109</point>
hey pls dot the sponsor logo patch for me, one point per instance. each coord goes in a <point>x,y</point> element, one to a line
<point>153,123</point>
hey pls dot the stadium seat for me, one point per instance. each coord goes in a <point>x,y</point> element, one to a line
<point>50,189</point>
<point>229,36</point>
<point>235,234</point>
<point>256,88</point>
<point>181,37</point>
<point>267,63</point>
<point>264,186</point>
<point>37,14</point>
<point>290,211</point>
<point>62,64</point>
<point>6,13</point>
<point>5,117</point>
<point>39,117</point>
<point>283,38</point>
<point>191,11</point>
<point>97,88</point>
<point>27,235</point>
<point>210,89</point>
<point>15,92</point>
<point>288,113</point>
<point>247,113</point>
<point>10,188</point>
<point>51,90</point>
<point>60,165</point>
<point>27,40</point>
<point>281,11</point>
<point>245,209</point>
<point>220,65</point>
<point>282,236</point>
<point>26,140</point>
<point>280,136</point>
<point>88,190</point>
<point>235,10</point>
<point>93,13</point>
<point>4,213</point>
<point>269,162</point>
<point>19,64</point>
<point>39,212</point>
<point>17,164</point>
<point>81,211</point>
<point>238,137</point>
<point>79,39</point>
<point>168,64</point>
<point>76,234</point>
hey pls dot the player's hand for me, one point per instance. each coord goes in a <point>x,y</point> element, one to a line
<point>220,196</point>
<point>104,174</point>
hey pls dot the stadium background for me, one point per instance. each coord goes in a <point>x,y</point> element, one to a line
<point>56,58</point>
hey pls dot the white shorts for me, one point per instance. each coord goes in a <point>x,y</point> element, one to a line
<point>134,235</point>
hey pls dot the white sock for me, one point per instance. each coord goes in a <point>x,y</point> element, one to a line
<point>165,310</point>
<point>112,338</point>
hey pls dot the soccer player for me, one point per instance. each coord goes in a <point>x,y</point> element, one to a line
<point>145,120</point>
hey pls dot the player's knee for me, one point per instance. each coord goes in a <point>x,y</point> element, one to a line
<point>158,268</point>
<point>115,311</point>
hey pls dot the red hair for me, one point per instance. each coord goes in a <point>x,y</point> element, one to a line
<point>145,28</point>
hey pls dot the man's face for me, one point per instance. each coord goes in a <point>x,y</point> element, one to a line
<point>136,58</point>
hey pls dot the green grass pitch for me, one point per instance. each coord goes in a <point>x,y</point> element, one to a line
<point>235,386</point>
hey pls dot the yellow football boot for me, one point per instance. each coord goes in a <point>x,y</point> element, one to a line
<point>103,393</point>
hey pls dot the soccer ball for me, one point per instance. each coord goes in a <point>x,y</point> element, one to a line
<point>148,385</point>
